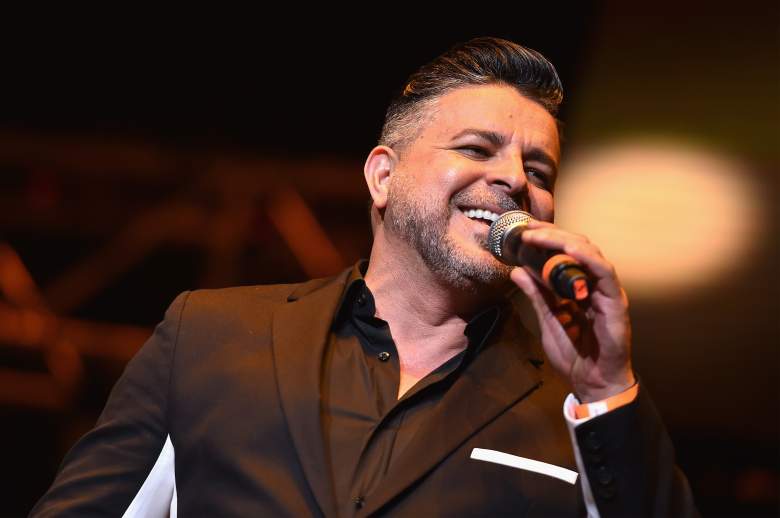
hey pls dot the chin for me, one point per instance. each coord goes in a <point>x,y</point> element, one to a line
<point>474,272</point>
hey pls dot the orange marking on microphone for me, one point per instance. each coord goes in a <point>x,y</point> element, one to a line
<point>580,289</point>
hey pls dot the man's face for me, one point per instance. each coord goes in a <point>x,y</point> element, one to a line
<point>483,148</point>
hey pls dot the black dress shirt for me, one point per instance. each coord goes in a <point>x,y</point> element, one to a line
<point>365,425</point>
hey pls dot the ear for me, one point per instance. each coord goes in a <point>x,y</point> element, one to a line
<point>379,166</point>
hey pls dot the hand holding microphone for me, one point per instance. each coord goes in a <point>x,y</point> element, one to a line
<point>560,272</point>
<point>589,344</point>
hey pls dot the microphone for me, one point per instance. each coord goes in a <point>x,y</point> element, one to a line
<point>561,272</point>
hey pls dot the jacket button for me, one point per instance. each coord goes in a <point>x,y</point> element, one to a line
<point>383,356</point>
<point>592,441</point>
<point>604,476</point>
<point>359,502</point>
<point>606,492</point>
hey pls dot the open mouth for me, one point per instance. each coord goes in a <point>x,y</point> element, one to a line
<point>482,215</point>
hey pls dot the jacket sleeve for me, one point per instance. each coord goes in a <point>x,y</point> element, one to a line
<point>102,473</point>
<point>629,462</point>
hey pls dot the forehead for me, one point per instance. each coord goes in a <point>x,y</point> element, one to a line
<point>497,108</point>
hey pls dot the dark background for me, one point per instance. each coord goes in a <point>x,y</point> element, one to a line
<point>140,157</point>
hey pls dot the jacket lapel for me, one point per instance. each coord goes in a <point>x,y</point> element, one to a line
<point>300,332</point>
<point>503,373</point>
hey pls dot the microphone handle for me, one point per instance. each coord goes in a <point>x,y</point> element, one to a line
<point>566,277</point>
<point>561,272</point>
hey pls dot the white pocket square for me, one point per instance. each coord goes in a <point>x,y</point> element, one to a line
<point>514,461</point>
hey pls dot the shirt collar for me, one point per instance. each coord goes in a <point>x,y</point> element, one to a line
<point>481,326</point>
<point>354,286</point>
<point>358,298</point>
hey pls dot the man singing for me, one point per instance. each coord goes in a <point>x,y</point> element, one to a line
<point>431,380</point>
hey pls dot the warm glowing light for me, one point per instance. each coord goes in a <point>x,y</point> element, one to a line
<point>668,216</point>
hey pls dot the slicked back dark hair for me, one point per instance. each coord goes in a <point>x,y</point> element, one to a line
<point>481,61</point>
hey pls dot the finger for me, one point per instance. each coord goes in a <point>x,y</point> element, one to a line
<point>570,320</point>
<point>585,252</point>
<point>554,237</point>
<point>536,224</point>
<point>607,281</point>
<point>568,313</point>
<point>541,301</point>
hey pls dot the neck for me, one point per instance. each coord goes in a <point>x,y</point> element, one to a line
<point>416,303</point>
<point>426,315</point>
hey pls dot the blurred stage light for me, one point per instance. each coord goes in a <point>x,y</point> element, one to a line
<point>670,217</point>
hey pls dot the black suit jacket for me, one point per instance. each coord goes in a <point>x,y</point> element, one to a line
<point>233,377</point>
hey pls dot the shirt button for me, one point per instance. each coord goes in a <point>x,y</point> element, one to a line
<point>359,502</point>
<point>361,300</point>
<point>383,356</point>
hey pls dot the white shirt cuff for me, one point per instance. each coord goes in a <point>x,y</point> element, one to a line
<point>572,422</point>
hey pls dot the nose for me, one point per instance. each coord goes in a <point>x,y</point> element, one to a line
<point>509,176</point>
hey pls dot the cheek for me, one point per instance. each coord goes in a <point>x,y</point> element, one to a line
<point>437,180</point>
<point>451,181</point>
<point>542,204</point>
<point>440,175</point>
<point>456,174</point>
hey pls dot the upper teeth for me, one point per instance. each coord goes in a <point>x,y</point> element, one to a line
<point>481,214</point>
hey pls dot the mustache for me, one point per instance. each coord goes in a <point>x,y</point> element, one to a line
<point>485,197</point>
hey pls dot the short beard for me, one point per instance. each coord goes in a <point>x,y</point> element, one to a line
<point>424,227</point>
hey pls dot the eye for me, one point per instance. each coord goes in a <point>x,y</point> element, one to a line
<point>539,178</point>
<point>475,151</point>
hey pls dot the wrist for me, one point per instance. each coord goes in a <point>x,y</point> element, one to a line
<point>605,391</point>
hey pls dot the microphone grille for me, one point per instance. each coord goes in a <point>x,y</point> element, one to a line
<point>504,222</point>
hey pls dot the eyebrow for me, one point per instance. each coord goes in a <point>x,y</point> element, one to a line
<point>498,140</point>
<point>494,138</point>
